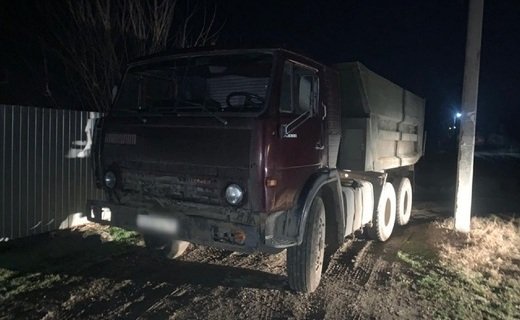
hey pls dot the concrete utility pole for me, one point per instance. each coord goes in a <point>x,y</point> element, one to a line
<point>469,117</point>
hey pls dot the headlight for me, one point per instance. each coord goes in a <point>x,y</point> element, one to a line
<point>234,194</point>
<point>110,179</point>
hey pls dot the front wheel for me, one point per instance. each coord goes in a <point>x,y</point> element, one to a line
<point>169,248</point>
<point>305,262</point>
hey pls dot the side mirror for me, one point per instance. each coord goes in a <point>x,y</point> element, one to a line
<point>114,93</point>
<point>305,92</point>
<point>287,130</point>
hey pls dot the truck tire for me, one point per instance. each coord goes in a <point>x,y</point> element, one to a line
<point>170,248</point>
<point>404,202</point>
<point>384,217</point>
<point>305,262</point>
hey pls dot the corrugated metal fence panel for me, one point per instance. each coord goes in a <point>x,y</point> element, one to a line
<point>42,182</point>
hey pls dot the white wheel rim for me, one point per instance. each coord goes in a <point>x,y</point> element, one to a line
<point>405,201</point>
<point>386,211</point>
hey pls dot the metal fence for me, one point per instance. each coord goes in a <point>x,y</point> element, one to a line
<point>44,184</point>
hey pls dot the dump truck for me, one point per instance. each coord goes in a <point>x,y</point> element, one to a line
<point>257,150</point>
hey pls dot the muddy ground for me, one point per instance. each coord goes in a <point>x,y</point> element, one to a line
<point>79,274</point>
<point>74,274</point>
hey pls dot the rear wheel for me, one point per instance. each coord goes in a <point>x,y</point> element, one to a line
<point>384,217</point>
<point>404,202</point>
<point>305,262</point>
<point>169,248</point>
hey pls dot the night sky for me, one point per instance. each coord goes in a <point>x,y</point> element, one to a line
<point>419,45</point>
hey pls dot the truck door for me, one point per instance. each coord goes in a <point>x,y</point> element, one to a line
<point>298,150</point>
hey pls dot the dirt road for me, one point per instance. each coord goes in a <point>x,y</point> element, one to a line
<point>71,275</point>
<point>77,274</point>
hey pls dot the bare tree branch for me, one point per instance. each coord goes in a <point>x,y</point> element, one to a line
<point>95,39</point>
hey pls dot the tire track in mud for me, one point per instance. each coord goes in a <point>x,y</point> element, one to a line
<point>354,266</point>
<point>206,255</point>
<point>176,297</point>
<point>361,280</point>
<point>257,303</point>
<point>349,270</point>
<point>184,296</point>
<point>264,303</point>
<point>345,264</point>
<point>357,268</point>
<point>104,278</point>
<point>200,285</point>
<point>274,301</point>
<point>384,273</point>
<point>146,294</point>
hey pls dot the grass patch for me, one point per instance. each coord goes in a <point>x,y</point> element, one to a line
<point>492,249</point>
<point>122,235</point>
<point>59,259</point>
<point>6,274</point>
<point>467,277</point>
<point>16,284</point>
<point>109,233</point>
<point>71,251</point>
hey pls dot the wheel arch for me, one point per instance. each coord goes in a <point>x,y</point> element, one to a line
<point>326,185</point>
<point>395,175</point>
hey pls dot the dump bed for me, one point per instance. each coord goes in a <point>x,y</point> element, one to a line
<point>382,123</point>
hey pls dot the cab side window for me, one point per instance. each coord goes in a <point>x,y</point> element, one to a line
<point>299,91</point>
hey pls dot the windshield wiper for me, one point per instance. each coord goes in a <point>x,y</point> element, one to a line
<point>187,104</point>
<point>140,112</point>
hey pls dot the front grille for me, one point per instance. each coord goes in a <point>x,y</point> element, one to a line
<point>120,138</point>
<point>141,186</point>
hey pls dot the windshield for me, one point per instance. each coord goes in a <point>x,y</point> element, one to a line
<point>218,83</point>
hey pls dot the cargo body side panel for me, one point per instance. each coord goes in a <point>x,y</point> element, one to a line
<point>382,123</point>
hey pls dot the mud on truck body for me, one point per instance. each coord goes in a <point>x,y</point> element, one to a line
<point>257,150</point>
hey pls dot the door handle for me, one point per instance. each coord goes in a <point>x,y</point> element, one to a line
<point>319,146</point>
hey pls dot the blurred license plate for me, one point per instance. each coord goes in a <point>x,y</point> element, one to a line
<point>157,223</point>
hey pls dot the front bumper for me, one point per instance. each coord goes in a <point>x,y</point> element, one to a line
<point>196,226</point>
